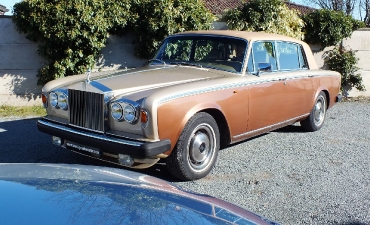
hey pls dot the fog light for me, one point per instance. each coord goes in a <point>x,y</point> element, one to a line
<point>125,160</point>
<point>57,141</point>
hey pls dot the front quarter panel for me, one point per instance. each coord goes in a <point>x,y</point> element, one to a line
<point>173,115</point>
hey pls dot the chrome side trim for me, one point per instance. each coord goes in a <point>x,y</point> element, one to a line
<point>270,126</point>
<point>91,135</point>
<point>232,85</point>
<point>200,91</point>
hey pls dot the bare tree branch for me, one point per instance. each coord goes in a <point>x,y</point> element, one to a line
<point>346,6</point>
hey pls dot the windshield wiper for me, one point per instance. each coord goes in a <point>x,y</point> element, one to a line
<point>186,64</point>
<point>156,60</point>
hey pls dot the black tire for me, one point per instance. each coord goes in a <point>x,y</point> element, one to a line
<point>317,115</point>
<point>196,150</point>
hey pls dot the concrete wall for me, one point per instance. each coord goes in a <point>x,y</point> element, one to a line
<point>359,42</point>
<point>19,61</point>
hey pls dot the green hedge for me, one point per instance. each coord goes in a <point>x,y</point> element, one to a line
<point>328,28</point>
<point>71,33</point>
<point>271,16</point>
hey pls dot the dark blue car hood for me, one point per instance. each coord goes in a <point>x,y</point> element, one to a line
<point>74,194</point>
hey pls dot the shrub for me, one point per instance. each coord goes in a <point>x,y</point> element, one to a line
<point>157,19</point>
<point>271,16</point>
<point>328,28</point>
<point>70,32</point>
<point>344,61</point>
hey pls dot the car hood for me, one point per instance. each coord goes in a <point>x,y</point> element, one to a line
<point>76,194</point>
<point>135,80</point>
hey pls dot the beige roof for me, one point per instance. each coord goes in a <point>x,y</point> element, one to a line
<point>249,36</point>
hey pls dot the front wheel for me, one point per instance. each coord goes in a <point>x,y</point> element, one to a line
<point>196,150</point>
<point>317,115</point>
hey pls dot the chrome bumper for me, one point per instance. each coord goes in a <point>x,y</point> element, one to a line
<point>104,142</point>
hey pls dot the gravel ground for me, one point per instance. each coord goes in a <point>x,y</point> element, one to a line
<point>290,176</point>
<point>295,177</point>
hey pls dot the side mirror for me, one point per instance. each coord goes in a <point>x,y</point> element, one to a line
<point>263,67</point>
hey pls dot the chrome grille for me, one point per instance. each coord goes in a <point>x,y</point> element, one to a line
<point>86,109</point>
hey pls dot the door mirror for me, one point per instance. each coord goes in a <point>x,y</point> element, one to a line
<point>263,67</point>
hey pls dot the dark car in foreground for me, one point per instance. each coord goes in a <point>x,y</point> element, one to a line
<point>76,194</point>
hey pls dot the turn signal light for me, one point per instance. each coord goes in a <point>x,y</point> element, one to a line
<point>144,116</point>
<point>44,100</point>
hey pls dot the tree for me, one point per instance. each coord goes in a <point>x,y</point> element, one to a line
<point>347,6</point>
<point>159,18</point>
<point>271,16</point>
<point>328,27</point>
<point>365,7</point>
<point>70,32</point>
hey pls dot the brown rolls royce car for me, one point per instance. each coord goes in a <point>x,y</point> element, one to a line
<point>201,91</point>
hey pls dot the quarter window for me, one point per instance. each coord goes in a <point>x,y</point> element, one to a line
<point>290,56</point>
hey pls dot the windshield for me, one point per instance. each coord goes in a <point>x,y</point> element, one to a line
<point>221,53</point>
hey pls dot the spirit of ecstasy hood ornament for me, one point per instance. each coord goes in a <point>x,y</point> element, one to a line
<point>88,73</point>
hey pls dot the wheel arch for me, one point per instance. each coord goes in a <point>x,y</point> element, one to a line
<point>326,92</point>
<point>327,96</point>
<point>222,124</point>
<point>178,121</point>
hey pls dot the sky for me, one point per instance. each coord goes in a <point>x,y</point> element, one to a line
<point>9,5</point>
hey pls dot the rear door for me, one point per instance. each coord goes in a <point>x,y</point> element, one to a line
<point>283,90</point>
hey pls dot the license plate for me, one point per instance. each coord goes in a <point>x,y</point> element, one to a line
<point>83,148</point>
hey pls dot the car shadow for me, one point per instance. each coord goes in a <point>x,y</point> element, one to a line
<point>21,142</point>
<point>290,129</point>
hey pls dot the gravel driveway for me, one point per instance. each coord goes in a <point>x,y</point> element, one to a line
<point>288,175</point>
<point>295,177</point>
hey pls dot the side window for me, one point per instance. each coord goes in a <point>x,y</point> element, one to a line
<point>290,56</point>
<point>263,53</point>
<point>302,59</point>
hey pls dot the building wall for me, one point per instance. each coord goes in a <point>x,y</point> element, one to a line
<point>19,61</point>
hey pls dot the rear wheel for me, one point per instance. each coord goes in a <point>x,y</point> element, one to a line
<point>196,150</point>
<point>317,115</point>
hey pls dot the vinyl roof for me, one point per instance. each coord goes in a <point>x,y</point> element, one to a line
<point>249,36</point>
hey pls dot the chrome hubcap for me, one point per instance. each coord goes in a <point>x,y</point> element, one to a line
<point>319,111</point>
<point>201,147</point>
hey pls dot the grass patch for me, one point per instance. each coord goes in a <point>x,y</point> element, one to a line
<point>22,111</point>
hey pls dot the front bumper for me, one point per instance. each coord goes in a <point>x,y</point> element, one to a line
<point>113,145</point>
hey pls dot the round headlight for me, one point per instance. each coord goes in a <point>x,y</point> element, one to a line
<point>116,111</point>
<point>53,99</point>
<point>63,101</point>
<point>129,113</point>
